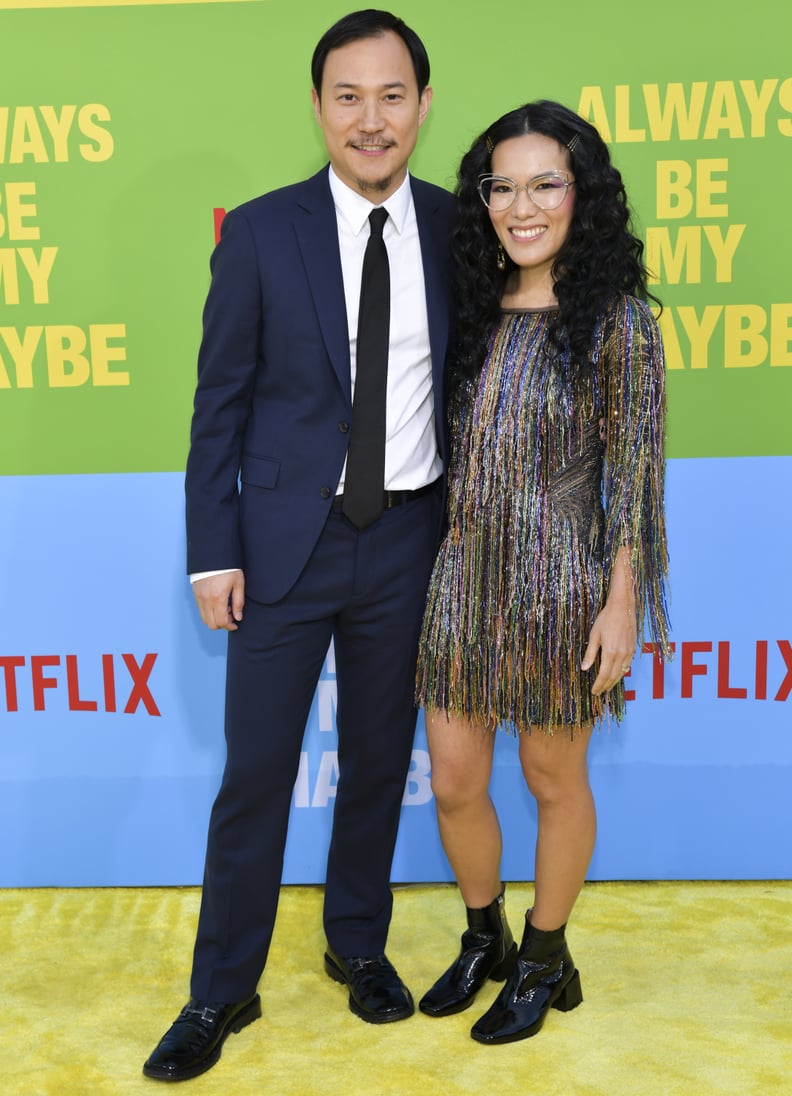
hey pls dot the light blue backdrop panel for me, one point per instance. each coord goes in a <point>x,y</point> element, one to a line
<point>694,784</point>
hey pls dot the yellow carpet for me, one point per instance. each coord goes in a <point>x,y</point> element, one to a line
<point>686,991</point>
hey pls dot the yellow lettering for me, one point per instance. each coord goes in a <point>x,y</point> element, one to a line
<point>26,138</point>
<point>3,137</point>
<point>22,351</point>
<point>65,348</point>
<point>102,353</point>
<point>8,275</point>
<point>723,249</point>
<point>674,108</point>
<point>591,106</point>
<point>781,334</point>
<point>707,186</point>
<point>59,126</point>
<point>744,344</point>
<point>724,112</point>
<point>17,211</point>
<point>660,253</point>
<point>66,364</point>
<point>671,347</point>
<point>699,333</point>
<point>102,147</point>
<point>674,196</point>
<point>624,132</point>
<point>758,102</point>
<point>39,268</point>
<point>785,99</point>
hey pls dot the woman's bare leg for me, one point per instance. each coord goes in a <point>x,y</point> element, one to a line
<point>461,755</point>
<point>556,771</point>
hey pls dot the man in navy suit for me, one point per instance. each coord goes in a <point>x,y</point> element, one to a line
<point>273,557</point>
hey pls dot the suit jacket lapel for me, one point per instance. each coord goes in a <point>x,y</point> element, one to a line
<point>433,233</point>
<point>317,237</point>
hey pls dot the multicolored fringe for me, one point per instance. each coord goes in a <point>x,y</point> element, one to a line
<point>549,478</point>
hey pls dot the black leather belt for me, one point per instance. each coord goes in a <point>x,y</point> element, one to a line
<point>392,498</point>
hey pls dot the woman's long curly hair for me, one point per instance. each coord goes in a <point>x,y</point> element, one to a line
<point>599,259</point>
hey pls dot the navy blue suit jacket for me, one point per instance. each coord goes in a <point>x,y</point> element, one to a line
<point>274,401</point>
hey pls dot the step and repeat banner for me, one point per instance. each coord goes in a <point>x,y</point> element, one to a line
<point>126,129</point>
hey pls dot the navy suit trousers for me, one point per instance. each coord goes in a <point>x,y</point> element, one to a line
<point>365,590</point>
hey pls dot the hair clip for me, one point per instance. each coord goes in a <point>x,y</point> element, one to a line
<point>489,143</point>
<point>571,144</point>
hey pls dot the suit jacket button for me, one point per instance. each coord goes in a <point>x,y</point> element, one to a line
<point>343,427</point>
<point>325,492</point>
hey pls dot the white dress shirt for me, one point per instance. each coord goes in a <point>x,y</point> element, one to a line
<point>411,456</point>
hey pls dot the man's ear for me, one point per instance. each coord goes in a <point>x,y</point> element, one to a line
<point>423,104</point>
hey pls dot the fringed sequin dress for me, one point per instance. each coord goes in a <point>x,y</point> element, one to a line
<point>548,479</point>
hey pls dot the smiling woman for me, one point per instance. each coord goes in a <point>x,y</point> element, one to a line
<point>531,231</point>
<point>556,553</point>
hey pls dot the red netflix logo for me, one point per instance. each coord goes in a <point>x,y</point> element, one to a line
<point>218,215</point>
<point>765,678</point>
<point>56,673</point>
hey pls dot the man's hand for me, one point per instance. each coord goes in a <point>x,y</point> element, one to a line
<point>221,599</point>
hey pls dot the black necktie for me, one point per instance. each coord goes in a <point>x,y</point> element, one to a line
<point>364,485</point>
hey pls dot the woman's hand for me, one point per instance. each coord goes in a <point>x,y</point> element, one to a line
<point>613,635</point>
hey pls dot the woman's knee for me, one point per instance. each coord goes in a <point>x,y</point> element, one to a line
<point>461,759</point>
<point>455,789</point>
<point>554,769</point>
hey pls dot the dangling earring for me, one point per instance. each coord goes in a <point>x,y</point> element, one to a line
<point>501,261</point>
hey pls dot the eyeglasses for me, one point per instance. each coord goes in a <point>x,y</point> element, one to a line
<point>547,191</point>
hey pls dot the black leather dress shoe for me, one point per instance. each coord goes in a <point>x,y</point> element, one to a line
<point>376,992</point>
<point>194,1042</point>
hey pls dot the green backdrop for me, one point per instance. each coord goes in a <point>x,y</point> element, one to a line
<point>123,127</point>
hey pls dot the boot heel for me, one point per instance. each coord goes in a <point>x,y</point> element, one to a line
<point>571,995</point>
<point>506,965</point>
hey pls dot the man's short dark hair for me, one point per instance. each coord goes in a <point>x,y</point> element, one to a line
<point>369,23</point>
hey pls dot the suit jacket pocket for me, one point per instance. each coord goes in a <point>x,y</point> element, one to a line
<point>259,471</point>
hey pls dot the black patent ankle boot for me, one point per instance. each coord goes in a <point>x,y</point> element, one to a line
<point>543,977</point>
<point>488,951</point>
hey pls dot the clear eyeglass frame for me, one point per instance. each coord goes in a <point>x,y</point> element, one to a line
<point>546,191</point>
